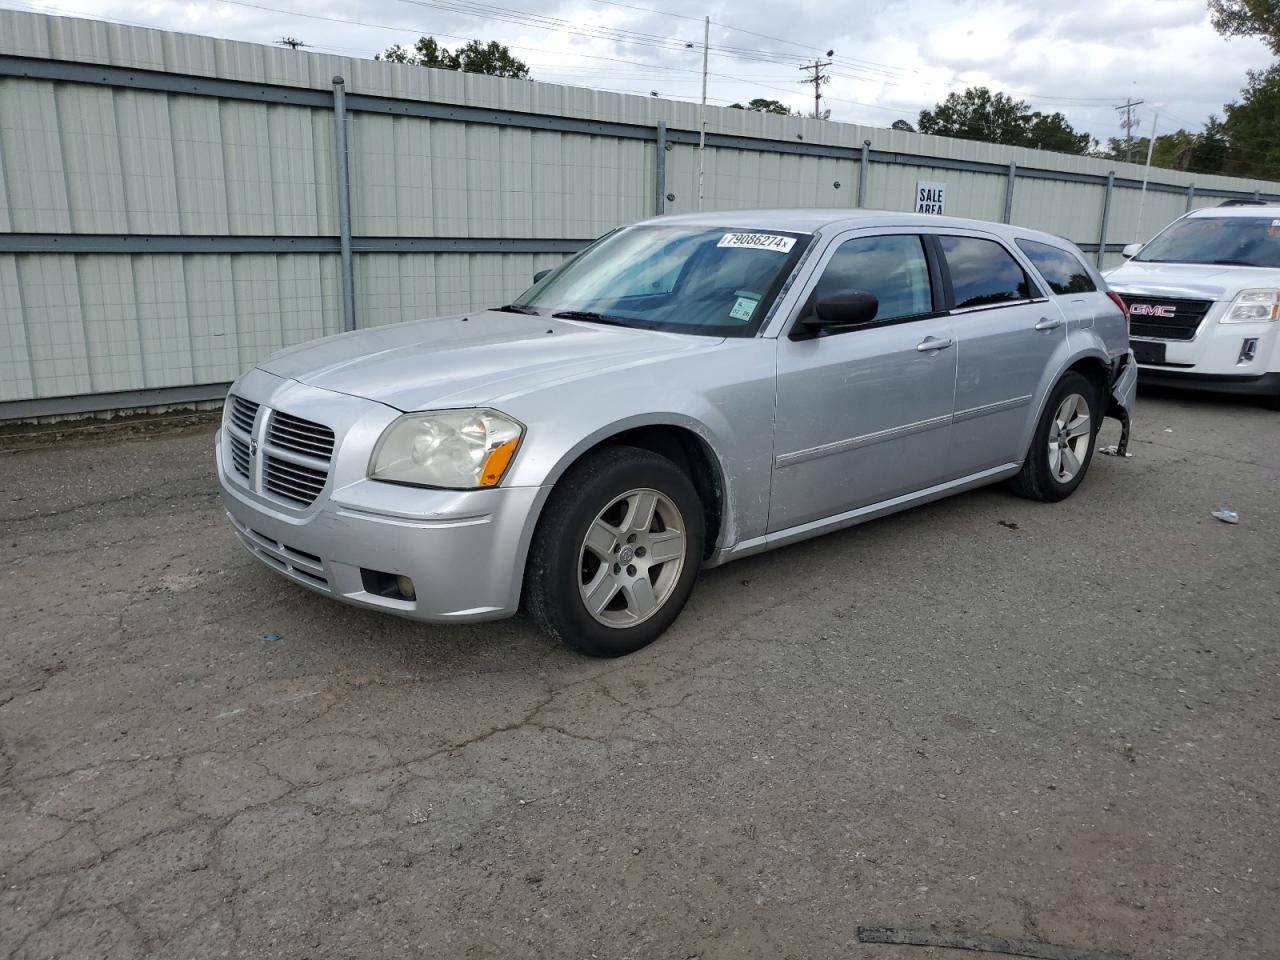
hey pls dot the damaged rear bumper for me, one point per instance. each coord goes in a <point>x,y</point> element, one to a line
<point>1123,396</point>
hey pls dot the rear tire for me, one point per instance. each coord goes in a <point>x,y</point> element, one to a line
<point>616,552</point>
<point>1063,443</point>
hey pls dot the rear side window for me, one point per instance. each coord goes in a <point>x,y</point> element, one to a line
<point>983,273</point>
<point>1063,271</point>
<point>894,268</point>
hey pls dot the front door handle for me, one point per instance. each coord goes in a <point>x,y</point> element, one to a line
<point>929,344</point>
<point>1047,324</point>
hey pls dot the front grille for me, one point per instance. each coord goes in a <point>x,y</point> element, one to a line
<point>239,455</point>
<point>301,436</point>
<point>293,481</point>
<point>243,413</point>
<point>1181,323</point>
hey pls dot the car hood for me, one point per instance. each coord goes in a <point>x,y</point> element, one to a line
<point>1190,280</point>
<point>477,359</point>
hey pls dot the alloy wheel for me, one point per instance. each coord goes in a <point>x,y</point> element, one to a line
<point>631,558</point>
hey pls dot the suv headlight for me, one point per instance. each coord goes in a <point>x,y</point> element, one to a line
<point>1253,306</point>
<point>458,449</point>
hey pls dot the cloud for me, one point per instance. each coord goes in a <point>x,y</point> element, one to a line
<point>893,57</point>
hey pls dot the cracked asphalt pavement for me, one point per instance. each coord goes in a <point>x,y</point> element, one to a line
<point>1048,722</point>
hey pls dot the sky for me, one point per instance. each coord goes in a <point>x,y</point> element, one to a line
<point>892,58</point>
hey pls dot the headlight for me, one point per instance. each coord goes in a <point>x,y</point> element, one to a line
<point>459,449</point>
<point>1252,306</point>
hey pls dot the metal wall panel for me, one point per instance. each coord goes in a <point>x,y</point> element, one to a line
<point>231,145</point>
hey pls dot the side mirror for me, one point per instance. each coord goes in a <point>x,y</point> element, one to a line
<point>842,308</point>
<point>1131,250</point>
<point>539,275</point>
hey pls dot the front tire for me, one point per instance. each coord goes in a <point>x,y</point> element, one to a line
<point>616,553</point>
<point>1063,444</point>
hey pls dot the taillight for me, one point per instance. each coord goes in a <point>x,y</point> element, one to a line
<point>1115,298</point>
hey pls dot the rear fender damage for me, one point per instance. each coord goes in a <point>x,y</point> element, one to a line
<point>1120,400</point>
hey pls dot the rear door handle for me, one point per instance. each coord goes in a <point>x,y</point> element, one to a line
<point>929,344</point>
<point>1047,324</point>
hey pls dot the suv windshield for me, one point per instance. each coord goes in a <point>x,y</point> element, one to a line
<point>717,282</point>
<point>1241,241</point>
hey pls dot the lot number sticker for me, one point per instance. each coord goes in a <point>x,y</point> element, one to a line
<point>758,241</point>
<point>931,197</point>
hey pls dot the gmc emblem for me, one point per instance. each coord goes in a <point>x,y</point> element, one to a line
<point>1152,310</point>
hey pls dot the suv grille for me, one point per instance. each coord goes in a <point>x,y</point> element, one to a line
<point>1165,318</point>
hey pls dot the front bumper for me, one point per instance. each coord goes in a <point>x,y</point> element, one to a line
<point>464,550</point>
<point>1259,385</point>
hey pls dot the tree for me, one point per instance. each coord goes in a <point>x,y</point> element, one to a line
<point>1252,127</point>
<point>1204,152</point>
<point>1052,132</point>
<point>1248,18</point>
<point>491,58</point>
<point>978,114</point>
<point>902,125</point>
<point>762,105</point>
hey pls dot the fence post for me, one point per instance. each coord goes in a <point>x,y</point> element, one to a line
<point>1008,192</point>
<point>1106,215</point>
<point>1191,197</point>
<point>344,203</point>
<point>1257,194</point>
<point>660,171</point>
<point>864,169</point>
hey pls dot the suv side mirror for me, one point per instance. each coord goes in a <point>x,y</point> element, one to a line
<point>540,274</point>
<point>1131,250</point>
<point>842,308</point>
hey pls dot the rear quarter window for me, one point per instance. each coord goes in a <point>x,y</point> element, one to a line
<point>1062,271</point>
<point>983,273</point>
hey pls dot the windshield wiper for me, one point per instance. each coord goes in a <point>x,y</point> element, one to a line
<point>518,308</point>
<point>589,315</point>
<point>1234,263</point>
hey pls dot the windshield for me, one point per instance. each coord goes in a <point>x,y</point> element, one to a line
<point>1241,241</point>
<point>718,282</point>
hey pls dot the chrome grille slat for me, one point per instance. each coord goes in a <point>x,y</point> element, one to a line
<point>288,432</point>
<point>243,413</point>
<point>240,456</point>
<point>300,473</point>
<point>292,482</point>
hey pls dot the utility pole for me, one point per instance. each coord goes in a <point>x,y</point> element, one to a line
<point>702,110</point>
<point>293,43</point>
<point>1129,123</point>
<point>817,78</point>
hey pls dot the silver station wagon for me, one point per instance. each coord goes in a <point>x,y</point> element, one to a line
<point>685,391</point>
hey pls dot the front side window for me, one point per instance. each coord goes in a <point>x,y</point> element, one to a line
<point>1231,241</point>
<point>1062,271</point>
<point>983,273</point>
<point>719,282</point>
<point>893,268</point>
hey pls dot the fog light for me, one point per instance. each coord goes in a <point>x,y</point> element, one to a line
<point>1248,350</point>
<point>393,586</point>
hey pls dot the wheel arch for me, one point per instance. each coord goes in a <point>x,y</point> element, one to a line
<point>1092,363</point>
<point>681,439</point>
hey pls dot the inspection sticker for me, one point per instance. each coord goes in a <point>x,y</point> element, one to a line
<point>758,241</point>
<point>743,309</point>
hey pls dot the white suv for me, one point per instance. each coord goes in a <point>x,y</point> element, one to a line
<point>1203,299</point>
